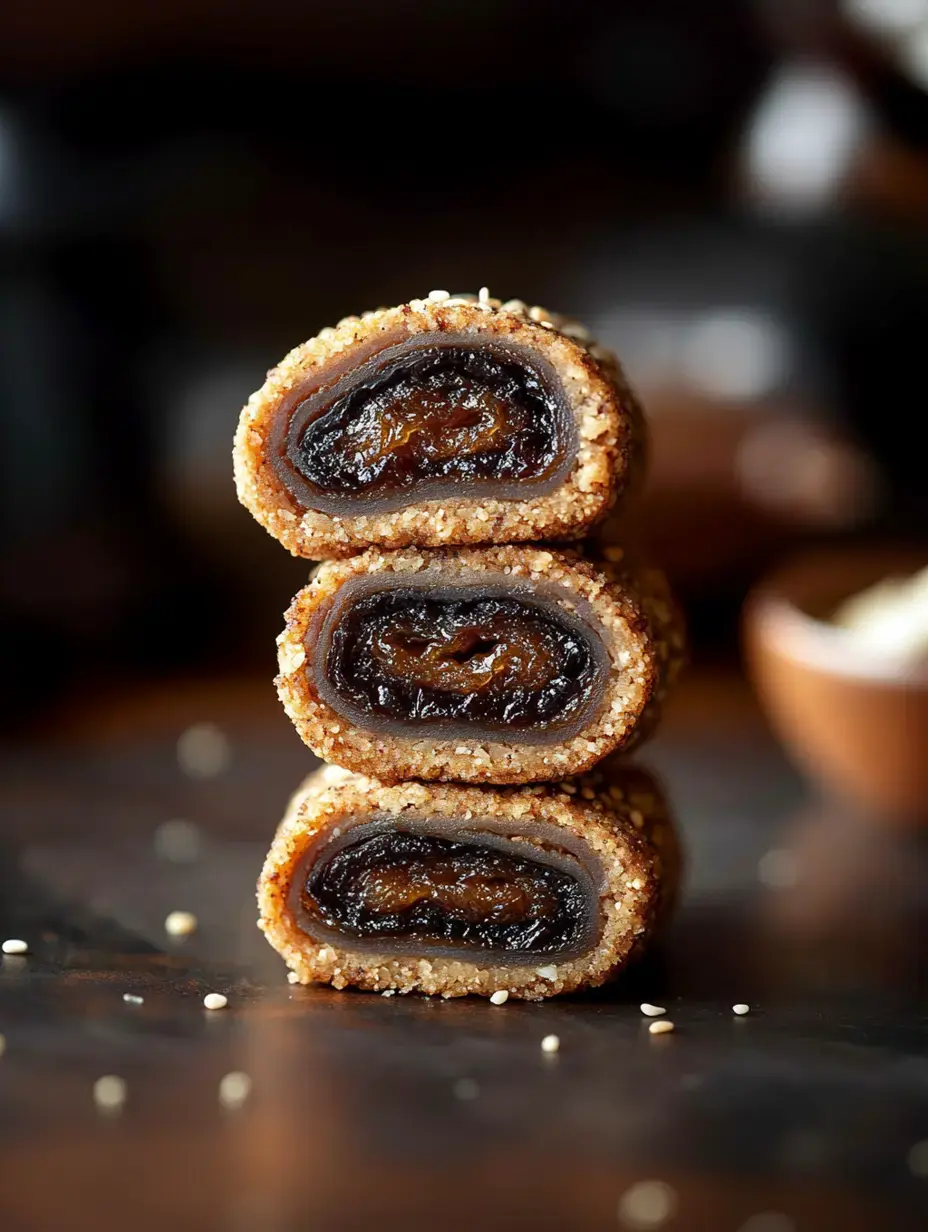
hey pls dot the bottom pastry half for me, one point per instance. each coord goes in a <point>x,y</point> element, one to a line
<point>449,890</point>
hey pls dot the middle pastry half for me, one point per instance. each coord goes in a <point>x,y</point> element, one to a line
<point>484,665</point>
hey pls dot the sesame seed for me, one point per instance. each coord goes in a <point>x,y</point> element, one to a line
<point>741,1008</point>
<point>109,1093</point>
<point>778,869</point>
<point>466,1088</point>
<point>178,841</point>
<point>215,1001</point>
<point>662,1027</point>
<point>550,1043</point>
<point>234,1089</point>
<point>388,992</point>
<point>768,1221</point>
<point>652,1011</point>
<point>548,973</point>
<point>292,977</point>
<point>483,295</point>
<point>203,751</point>
<point>180,924</point>
<point>500,997</point>
<point>131,998</point>
<point>13,945</point>
<point>647,1204</point>
<point>917,1159</point>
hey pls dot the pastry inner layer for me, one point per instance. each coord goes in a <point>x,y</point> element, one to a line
<point>437,888</point>
<point>476,658</point>
<point>425,419</point>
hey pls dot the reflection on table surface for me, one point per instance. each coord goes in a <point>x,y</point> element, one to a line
<point>366,1111</point>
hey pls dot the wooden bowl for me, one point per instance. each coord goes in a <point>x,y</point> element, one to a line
<point>856,723</point>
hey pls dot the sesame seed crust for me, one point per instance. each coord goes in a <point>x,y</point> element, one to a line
<point>618,812</point>
<point>609,422</point>
<point>637,619</point>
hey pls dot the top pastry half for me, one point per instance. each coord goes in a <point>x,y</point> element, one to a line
<point>448,420</point>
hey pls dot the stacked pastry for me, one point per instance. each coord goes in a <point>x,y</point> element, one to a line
<point>465,678</point>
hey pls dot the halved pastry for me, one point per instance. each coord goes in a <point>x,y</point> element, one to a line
<point>483,665</point>
<point>442,421</point>
<point>453,890</point>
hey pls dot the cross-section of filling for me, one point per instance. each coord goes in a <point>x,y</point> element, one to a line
<point>426,419</point>
<point>472,891</point>
<point>473,659</point>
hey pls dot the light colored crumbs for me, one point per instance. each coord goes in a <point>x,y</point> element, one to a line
<point>917,1159</point>
<point>180,924</point>
<point>663,1026</point>
<point>778,869</point>
<point>203,751</point>
<point>178,841</point>
<point>647,1204</point>
<point>109,1093</point>
<point>466,1088</point>
<point>768,1221</point>
<point>234,1089</point>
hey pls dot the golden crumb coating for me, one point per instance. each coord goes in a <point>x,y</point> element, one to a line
<point>617,818</point>
<point>634,616</point>
<point>609,430</point>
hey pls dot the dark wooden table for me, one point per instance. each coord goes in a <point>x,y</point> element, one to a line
<point>372,1113</point>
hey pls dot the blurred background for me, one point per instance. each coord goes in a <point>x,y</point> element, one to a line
<point>734,196</point>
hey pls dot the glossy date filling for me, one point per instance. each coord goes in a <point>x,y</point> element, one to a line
<point>431,889</point>
<point>428,420</point>
<point>465,657</point>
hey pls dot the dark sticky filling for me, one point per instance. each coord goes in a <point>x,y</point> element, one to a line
<point>463,657</point>
<point>424,419</point>
<point>469,892</point>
